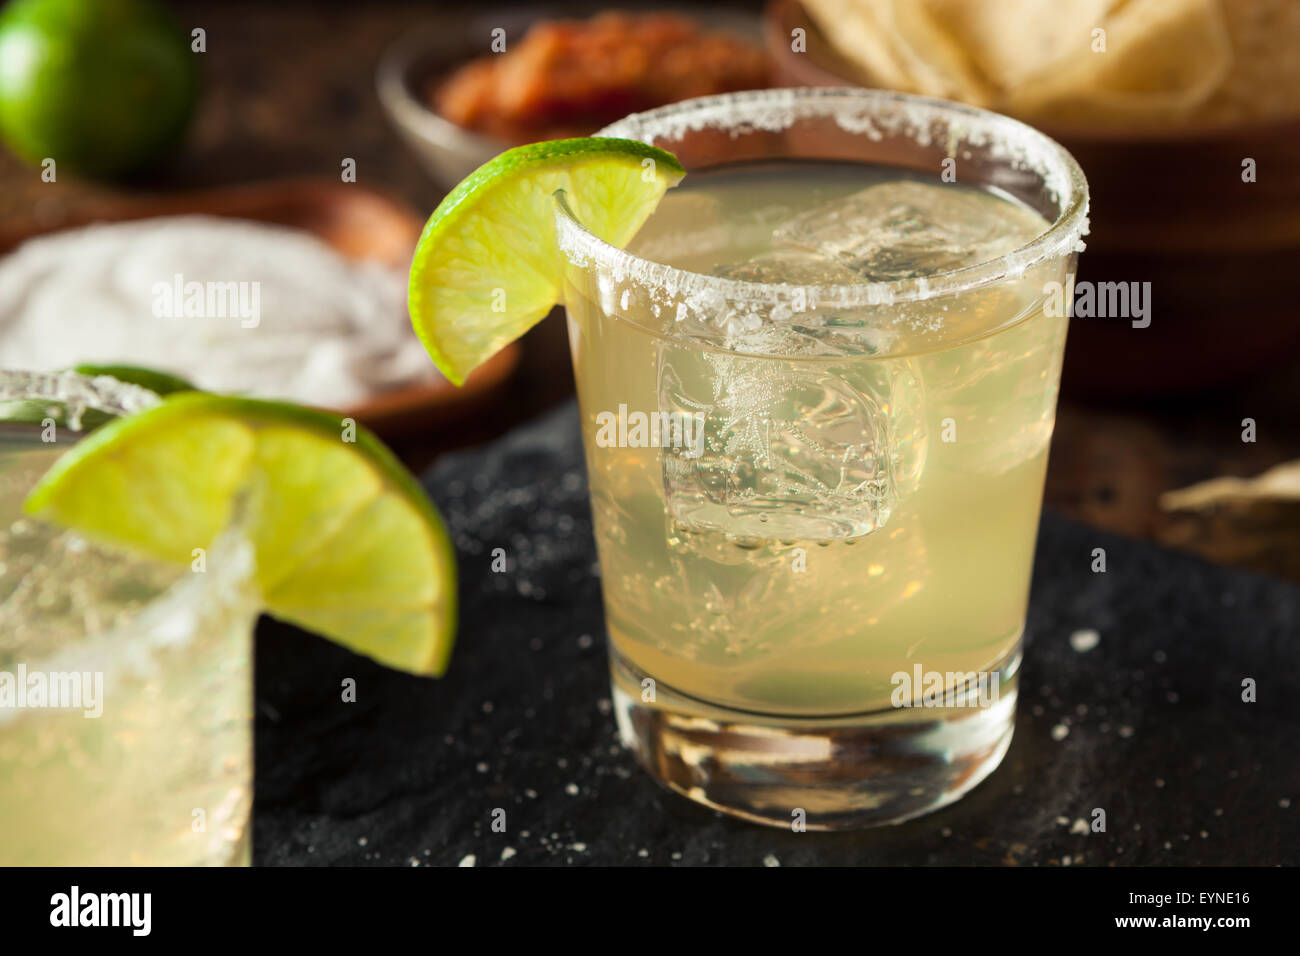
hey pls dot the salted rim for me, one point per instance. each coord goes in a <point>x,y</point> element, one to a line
<point>75,392</point>
<point>231,575</point>
<point>867,112</point>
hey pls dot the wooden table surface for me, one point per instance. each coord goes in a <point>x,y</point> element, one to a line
<point>289,91</point>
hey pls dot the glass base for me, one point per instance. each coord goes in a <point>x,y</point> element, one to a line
<point>836,773</point>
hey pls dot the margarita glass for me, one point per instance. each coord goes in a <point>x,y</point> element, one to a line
<point>817,440</point>
<point>125,683</point>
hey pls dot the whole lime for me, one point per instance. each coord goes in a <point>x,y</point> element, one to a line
<point>99,86</point>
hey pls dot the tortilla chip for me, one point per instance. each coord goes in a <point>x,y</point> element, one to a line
<point>938,64</point>
<point>858,30</point>
<point>1167,63</point>
<point>1163,59</point>
<point>1011,41</point>
<point>1264,82</point>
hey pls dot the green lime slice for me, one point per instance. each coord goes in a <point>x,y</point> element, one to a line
<point>347,544</point>
<point>487,268</point>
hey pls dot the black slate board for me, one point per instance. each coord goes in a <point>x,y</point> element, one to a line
<point>412,772</point>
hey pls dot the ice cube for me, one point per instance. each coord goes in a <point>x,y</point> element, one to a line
<point>906,229</point>
<point>792,449</point>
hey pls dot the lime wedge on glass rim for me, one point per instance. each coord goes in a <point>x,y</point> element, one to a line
<point>347,545</point>
<point>487,267</point>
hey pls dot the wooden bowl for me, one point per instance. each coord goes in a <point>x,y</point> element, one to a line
<point>1170,209</point>
<point>358,223</point>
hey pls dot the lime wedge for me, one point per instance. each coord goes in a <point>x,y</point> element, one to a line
<point>487,268</point>
<point>347,544</point>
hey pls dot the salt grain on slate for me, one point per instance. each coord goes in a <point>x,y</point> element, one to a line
<point>1084,641</point>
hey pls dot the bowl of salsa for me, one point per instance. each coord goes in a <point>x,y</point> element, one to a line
<point>471,87</point>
